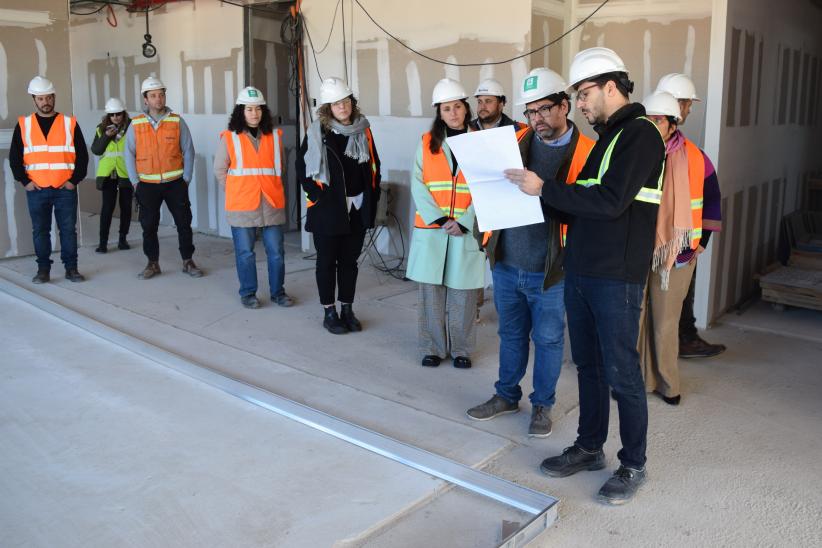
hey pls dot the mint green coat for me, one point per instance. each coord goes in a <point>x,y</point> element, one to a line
<point>435,257</point>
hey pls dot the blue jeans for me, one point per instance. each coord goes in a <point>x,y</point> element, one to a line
<point>64,205</point>
<point>603,324</point>
<point>244,238</point>
<point>526,311</point>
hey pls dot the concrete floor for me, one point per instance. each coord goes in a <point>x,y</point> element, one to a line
<point>735,465</point>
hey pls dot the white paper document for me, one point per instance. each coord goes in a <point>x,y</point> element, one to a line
<point>483,156</point>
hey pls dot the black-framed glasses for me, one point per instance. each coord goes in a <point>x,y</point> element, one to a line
<point>543,111</point>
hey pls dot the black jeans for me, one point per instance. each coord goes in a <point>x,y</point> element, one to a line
<point>337,262</point>
<point>687,320</point>
<point>150,196</point>
<point>603,325</point>
<point>109,190</point>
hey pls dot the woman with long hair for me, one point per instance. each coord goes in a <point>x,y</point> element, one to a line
<point>339,170</point>
<point>112,177</point>
<point>250,165</point>
<point>445,257</point>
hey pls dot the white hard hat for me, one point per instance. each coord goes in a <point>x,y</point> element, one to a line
<point>333,89</point>
<point>447,90</point>
<point>114,105</point>
<point>489,87</point>
<point>151,83</point>
<point>662,103</point>
<point>592,62</point>
<point>678,85</point>
<point>539,84</point>
<point>40,86</point>
<point>250,96</point>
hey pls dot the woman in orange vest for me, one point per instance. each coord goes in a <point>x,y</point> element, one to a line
<point>339,170</point>
<point>250,166</point>
<point>678,233</point>
<point>445,257</point>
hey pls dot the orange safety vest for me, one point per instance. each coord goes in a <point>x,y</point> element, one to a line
<point>372,161</point>
<point>450,191</point>
<point>253,172</point>
<point>696,181</point>
<point>49,162</point>
<point>158,155</point>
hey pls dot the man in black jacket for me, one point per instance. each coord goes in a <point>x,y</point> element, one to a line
<point>614,206</point>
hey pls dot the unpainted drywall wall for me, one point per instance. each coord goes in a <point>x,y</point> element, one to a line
<point>34,40</point>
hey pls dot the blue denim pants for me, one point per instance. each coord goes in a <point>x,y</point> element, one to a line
<point>63,203</point>
<point>603,325</point>
<point>244,238</point>
<point>527,313</point>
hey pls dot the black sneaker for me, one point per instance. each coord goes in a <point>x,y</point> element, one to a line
<point>73,276</point>
<point>348,318</point>
<point>494,407</point>
<point>123,243</point>
<point>572,460</point>
<point>622,486</point>
<point>332,321</point>
<point>250,301</point>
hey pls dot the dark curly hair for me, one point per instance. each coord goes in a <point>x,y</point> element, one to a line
<point>438,127</point>
<point>236,122</point>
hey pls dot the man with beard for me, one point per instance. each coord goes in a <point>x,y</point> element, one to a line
<point>490,102</point>
<point>526,261</point>
<point>48,157</point>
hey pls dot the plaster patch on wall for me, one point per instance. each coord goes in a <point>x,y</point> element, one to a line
<point>4,83</point>
<point>120,73</point>
<point>412,76</point>
<point>42,58</point>
<point>646,63</point>
<point>11,222</point>
<point>26,19</point>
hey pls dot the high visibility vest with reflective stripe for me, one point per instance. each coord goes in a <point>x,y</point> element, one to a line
<point>158,155</point>
<point>254,172</point>
<point>696,181</point>
<point>450,191</point>
<point>372,164</point>
<point>651,195</point>
<point>49,162</point>
<point>113,158</point>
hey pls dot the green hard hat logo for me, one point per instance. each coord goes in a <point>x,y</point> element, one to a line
<point>530,83</point>
<point>253,93</point>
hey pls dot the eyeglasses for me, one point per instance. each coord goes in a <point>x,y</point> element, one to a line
<point>543,111</point>
<point>118,114</point>
<point>342,102</point>
<point>582,93</point>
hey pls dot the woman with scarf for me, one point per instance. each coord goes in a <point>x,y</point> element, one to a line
<point>689,190</point>
<point>112,176</point>
<point>445,257</point>
<point>339,170</point>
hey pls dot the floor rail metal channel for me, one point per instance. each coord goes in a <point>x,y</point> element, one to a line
<point>543,507</point>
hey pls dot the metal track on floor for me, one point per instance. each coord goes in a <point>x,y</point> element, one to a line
<point>542,507</point>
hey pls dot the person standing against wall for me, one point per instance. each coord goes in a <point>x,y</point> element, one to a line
<point>112,176</point>
<point>691,345</point>
<point>613,208</point>
<point>160,163</point>
<point>526,261</point>
<point>339,170</point>
<point>445,258</point>
<point>48,157</point>
<point>490,102</point>
<point>249,166</point>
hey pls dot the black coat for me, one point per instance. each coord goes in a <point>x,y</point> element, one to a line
<point>329,213</point>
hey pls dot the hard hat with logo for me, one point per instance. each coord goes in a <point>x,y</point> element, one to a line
<point>114,105</point>
<point>539,84</point>
<point>593,62</point>
<point>250,96</point>
<point>333,89</point>
<point>662,103</point>
<point>678,85</point>
<point>446,90</point>
<point>40,86</point>
<point>151,83</point>
<point>489,87</point>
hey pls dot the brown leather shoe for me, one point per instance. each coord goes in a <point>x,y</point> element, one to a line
<point>151,270</point>
<point>191,269</point>
<point>41,277</point>
<point>698,348</point>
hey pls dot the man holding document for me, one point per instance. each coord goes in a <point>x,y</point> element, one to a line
<point>614,206</point>
<point>526,261</point>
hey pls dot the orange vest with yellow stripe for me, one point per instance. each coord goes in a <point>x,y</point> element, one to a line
<point>157,152</point>
<point>49,161</point>
<point>450,191</point>
<point>254,172</point>
<point>372,161</point>
<point>696,182</point>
